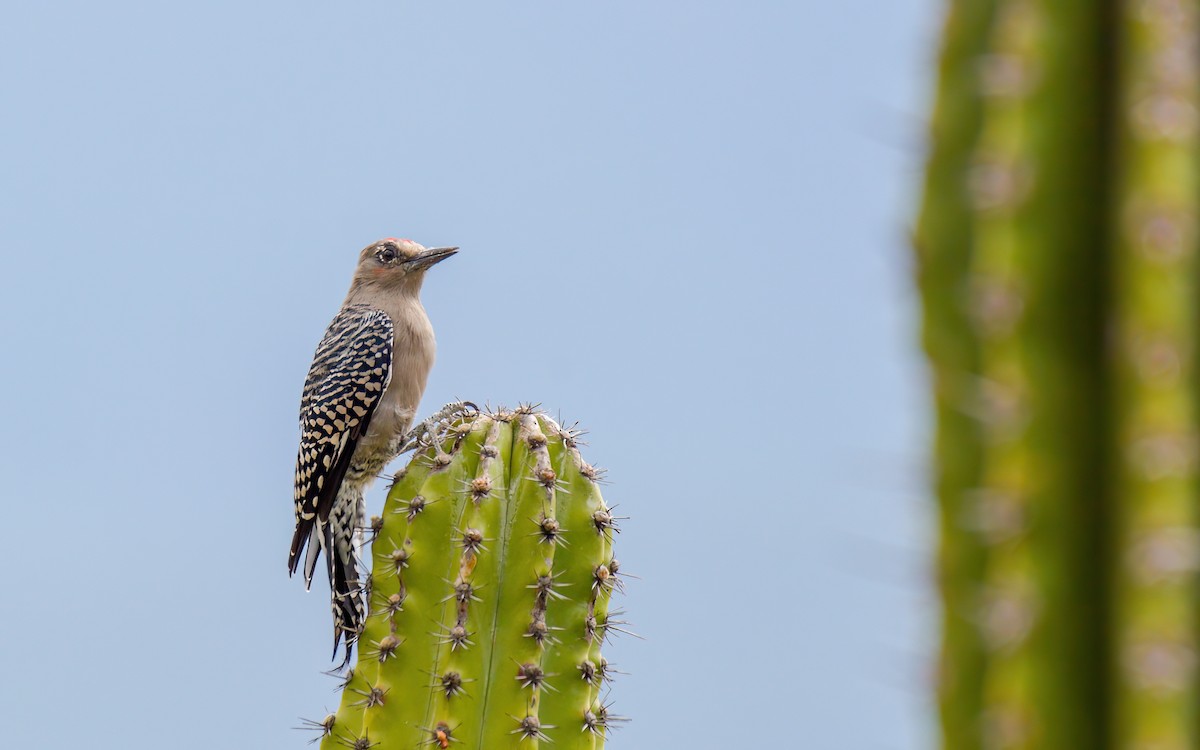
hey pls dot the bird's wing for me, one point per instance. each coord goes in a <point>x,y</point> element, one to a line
<point>350,372</point>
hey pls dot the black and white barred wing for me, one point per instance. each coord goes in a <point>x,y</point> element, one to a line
<point>350,372</point>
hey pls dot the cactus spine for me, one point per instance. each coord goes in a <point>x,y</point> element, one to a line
<point>492,571</point>
<point>1056,251</point>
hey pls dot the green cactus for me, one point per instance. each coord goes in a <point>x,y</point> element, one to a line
<point>492,571</point>
<point>1056,257</point>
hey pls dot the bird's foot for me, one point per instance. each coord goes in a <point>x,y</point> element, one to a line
<point>428,432</point>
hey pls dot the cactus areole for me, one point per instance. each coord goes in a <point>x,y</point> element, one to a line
<point>492,571</point>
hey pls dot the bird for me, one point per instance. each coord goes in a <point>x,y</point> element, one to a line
<point>357,406</point>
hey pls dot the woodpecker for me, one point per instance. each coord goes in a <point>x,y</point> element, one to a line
<point>358,404</point>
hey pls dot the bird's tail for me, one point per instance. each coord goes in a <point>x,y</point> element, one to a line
<point>341,538</point>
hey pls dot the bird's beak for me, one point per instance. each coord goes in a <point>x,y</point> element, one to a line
<point>429,257</point>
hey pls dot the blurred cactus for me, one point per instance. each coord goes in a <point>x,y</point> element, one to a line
<point>489,597</point>
<point>1056,257</point>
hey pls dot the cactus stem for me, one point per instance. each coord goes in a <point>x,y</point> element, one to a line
<point>508,571</point>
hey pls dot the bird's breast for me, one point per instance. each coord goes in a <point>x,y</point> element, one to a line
<point>413,350</point>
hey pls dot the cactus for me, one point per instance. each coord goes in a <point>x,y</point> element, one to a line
<point>492,572</point>
<point>1056,258</point>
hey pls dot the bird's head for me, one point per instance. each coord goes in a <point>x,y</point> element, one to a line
<point>397,263</point>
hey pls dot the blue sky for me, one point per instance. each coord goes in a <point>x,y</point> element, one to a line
<point>682,224</point>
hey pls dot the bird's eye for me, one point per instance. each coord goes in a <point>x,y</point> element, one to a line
<point>387,255</point>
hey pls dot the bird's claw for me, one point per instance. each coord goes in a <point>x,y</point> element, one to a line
<point>428,431</point>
